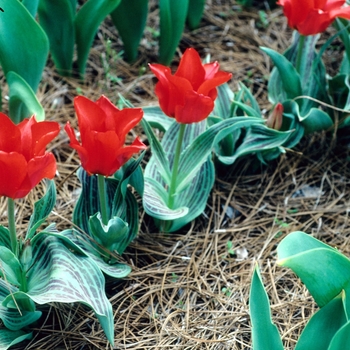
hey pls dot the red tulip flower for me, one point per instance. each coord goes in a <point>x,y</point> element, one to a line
<point>103,128</point>
<point>310,17</point>
<point>189,94</point>
<point>24,161</point>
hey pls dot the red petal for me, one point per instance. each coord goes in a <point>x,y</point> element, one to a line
<point>90,115</point>
<point>211,69</point>
<point>343,12</point>
<point>110,110</point>
<point>197,107</point>
<point>191,68</point>
<point>39,168</point>
<point>170,90</point>
<point>13,171</point>
<point>42,134</point>
<point>127,152</point>
<point>315,23</point>
<point>10,136</point>
<point>126,119</point>
<point>208,85</point>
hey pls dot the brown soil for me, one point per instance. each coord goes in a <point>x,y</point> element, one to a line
<point>186,290</point>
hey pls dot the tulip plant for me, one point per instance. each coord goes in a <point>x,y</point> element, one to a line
<point>299,79</point>
<point>327,280</point>
<point>180,174</point>
<point>43,266</point>
<point>106,211</point>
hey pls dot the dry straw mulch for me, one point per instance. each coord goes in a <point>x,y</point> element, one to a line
<point>187,290</point>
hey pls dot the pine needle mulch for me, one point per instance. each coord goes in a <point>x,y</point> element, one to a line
<point>190,290</point>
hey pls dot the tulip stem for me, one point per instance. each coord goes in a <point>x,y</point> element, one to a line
<point>300,53</point>
<point>12,225</point>
<point>103,198</point>
<point>172,188</point>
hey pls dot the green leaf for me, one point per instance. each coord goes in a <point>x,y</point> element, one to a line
<point>249,111</point>
<point>108,235</point>
<point>341,340</point>
<point>57,19</point>
<point>195,13</point>
<point>265,334</point>
<point>326,276</point>
<point>14,321</point>
<point>115,270</point>
<point>131,173</point>
<point>172,22</point>
<point>24,46</point>
<point>157,152</point>
<point>199,150</point>
<point>9,338</point>
<point>291,121</point>
<point>23,102</point>
<point>42,209</point>
<point>10,267</point>
<point>289,76</point>
<point>31,6</point>
<point>190,202</point>
<point>323,325</point>
<point>5,237</point>
<point>223,102</point>
<point>316,120</point>
<point>155,202</point>
<point>156,118</point>
<point>130,20</point>
<point>58,275</point>
<point>245,96</point>
<point>121,203</point>
<point>86,22</point>
<point>258,138</point>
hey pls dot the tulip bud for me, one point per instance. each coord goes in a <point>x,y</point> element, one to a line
<point>275,119</point>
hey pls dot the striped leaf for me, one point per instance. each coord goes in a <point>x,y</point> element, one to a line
<point>116,270</point>
<point>155,202</point>
<point>10,267</point>
<point>223,102</point>
<point>172,22</point>
<point>191,201</point>
<point>23,102</point>
<point>42,209</point>
<point>58,275</point>
<point>127,12</point>
<point>198,151</point>
<point>156,118</point>
<point>258,138</point>
<point>289,77</point>
<point>9,338</point>
<point>121,204</point>
<point>10,316</point>
<point>86,22</point>
<point>158,153</point>
<point>5,237</point>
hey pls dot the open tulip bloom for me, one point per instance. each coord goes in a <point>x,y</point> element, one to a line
<point>24,161</point>
<point>310,17</point>
<point>189,94</point>
<point>103,129</point>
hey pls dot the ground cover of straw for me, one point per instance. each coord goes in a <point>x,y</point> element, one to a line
<point>186,290</point>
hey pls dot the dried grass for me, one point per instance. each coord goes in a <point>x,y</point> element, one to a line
<point>186,290</point>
